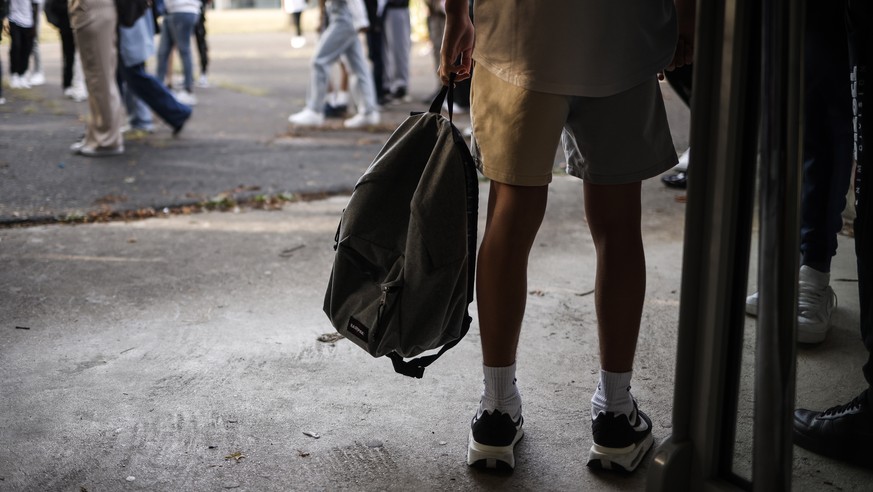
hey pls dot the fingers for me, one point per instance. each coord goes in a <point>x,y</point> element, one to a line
<point>461,70</point>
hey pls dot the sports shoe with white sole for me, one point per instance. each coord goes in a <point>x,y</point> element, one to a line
<point>186,98</point>
<point>620,441</point>
<point>816,302</point>
<point>492,440</point>
<point>307,117</point>
<point>361,120</point>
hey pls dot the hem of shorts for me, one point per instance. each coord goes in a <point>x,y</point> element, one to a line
<point>515,180</point>
<point>613,179</point>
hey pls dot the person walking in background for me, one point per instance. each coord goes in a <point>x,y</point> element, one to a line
<point>340,38</point>
<point>178,26</point>
<point>202,46</point>
<point>94,24</point>
<point>72,80</point>
<point>36,76</point>
<point>374,48</point>
<point>143,91</point>
<point>397,44</point>
<point>295,8</point>
<point>534,86</point>
<point>21,42</point>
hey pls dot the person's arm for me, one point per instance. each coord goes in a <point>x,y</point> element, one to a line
<point>684,54</point>
<point>458,41</point>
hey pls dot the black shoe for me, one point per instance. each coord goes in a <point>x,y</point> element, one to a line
<point>400,96</point>
<point>678,180</point>
<point>493,437</point>
<point>620,441</point>
<point>843,432</point>
<point>338,111</point>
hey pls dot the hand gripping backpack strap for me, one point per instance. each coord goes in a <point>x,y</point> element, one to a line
<point>448,90</point>
<point>414,368</point>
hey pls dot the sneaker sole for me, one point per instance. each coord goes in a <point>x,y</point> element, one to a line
<point>495,457</point>
<point>620,459</point>
<point>811,334</point>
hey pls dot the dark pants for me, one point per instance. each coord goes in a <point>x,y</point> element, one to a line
<point>827,139</point>
<point>374,48</point>
<point>200,37</point>
<point>20,47</point>
<point>68,47</point>
<point>860,29</point>
<point>155,94</point>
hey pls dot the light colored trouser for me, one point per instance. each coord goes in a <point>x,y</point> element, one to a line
<point>94,25</point>
<point>340,39</point>
<point>34,52</point>
<point>396,48</point>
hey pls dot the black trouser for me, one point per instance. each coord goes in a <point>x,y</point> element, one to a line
<point>860,30</point>
<point>68,46</point>
<point>200,37</point>
<point>20,48</point>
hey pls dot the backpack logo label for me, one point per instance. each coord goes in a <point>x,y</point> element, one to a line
<point>359,330</point>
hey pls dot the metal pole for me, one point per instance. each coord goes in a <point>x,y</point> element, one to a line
<point>779,243</point>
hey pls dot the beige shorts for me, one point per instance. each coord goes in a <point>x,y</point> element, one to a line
<point>617,139</point>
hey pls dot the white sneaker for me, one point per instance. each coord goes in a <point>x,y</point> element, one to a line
<point>2,101</point>
<point>307,117</point>
<point>361,120</point>
<point>298,42</point>
<point>15,81</point>
<point>682,166</point>
<point>76,93</point>
<point>203,81</point>
<point>186,98</point>
<point>816,301</point>
<point>752,304</point>
<point>36,78</point>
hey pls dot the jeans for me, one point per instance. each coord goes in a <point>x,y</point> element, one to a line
<point>340,39</point>
<point>152,92</point>
<point>177,30</point>
<point>827,139</point>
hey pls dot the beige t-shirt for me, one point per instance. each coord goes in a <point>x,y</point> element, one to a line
<point>592,48</point>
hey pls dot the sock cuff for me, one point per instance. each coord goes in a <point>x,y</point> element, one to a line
<point>500,381</point>
<point>612,383</point>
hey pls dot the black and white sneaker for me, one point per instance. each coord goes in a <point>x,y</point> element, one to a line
<point>493,437</point>
<point>620,441</point>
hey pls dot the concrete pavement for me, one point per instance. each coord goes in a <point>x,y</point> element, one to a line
<point>182,352</point>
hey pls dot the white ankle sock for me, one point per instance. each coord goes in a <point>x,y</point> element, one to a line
<point>613,394</point>
<point>500,392</point>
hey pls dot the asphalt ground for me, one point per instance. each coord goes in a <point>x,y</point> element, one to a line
<point>185,351</point>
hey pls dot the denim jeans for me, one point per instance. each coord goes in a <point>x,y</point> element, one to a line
<point>340,39</point>
<point>152,92</point>
<point>177,30</point>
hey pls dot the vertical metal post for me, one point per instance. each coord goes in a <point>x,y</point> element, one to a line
<point>724,131</point>
<point>778,249</point>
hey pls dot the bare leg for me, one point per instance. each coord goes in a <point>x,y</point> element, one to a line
<point>514,217</point>
<point>613,213</point>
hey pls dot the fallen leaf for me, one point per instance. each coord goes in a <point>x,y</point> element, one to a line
<point>330,338</point>
<point>302,454</point>
<point>235,456</point>
<point>314,435</point>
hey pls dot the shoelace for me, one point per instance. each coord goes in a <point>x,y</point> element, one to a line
<point>841,409</point>
<point>811,296</point>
